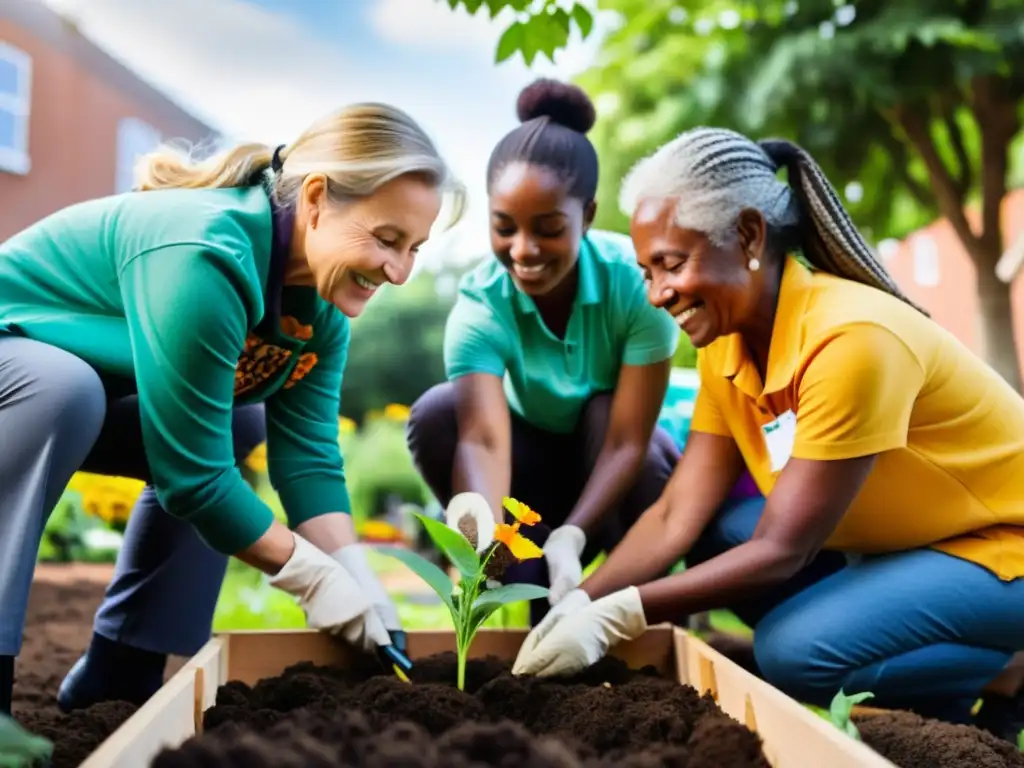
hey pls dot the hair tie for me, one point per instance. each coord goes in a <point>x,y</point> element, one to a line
<point>276,163</point>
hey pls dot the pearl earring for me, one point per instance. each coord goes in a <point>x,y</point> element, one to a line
<point>754,265</point>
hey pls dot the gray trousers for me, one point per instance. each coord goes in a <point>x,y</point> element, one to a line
<point>57,418</point>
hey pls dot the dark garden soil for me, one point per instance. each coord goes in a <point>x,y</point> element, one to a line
<point>313,717</point>
<point>904,738</point>
<point>911,741</point>
<point>61,607</point>
<point>608,716</point>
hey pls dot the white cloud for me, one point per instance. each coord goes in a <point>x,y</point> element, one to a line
<point>433,25</point>
<point>256,74</point>
<point>260,75</point>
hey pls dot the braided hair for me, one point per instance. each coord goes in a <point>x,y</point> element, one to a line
<point>717,173</point>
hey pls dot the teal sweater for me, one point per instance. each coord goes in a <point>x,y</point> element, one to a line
<point>179,291</point>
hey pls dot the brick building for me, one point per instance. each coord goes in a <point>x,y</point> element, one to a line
<point>934,270</point>
<point>72,119</point>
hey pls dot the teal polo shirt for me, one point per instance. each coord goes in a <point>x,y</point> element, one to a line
<point>496,329</point>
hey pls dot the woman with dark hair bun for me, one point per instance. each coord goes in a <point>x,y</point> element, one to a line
<point>557,363</point>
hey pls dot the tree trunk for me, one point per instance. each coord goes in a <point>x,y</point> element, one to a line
<point>995,311</point>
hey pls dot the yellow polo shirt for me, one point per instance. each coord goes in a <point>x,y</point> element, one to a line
<point>864,373</point>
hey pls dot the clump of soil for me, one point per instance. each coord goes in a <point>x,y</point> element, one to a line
<point>321,717</point>
<point>911,741</point>
<point>607,716</point>
<point>58,627</point>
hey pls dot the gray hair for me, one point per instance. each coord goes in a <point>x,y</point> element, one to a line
<point>716,173</point>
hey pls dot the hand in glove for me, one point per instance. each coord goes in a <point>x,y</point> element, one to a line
<point>572,603</point>
<point>583,637</point>
<point>353,560</point>
<point>331,598</point>
<point>562,552</point>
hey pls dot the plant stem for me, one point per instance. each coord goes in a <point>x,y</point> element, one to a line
<point>461,682</point>
<point>462,629</point>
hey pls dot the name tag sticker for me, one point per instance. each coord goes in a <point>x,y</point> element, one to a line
<point>779,436</point>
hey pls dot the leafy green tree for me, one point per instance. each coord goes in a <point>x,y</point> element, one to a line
<point>395,354</point>
<point>540,26</point>
<point>911,107</point>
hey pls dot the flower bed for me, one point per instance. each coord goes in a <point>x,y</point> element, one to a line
<point>609,716</point>
<point>297,698</point>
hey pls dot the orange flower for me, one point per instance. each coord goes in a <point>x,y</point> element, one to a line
<point>520,511</point>
<point>520,546</point>
<point>292,327</point>
<point>304,366</point>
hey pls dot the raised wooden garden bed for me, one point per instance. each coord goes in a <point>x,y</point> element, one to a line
<point>792,736</point>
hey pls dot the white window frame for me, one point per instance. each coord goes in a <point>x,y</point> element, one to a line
<point>128,151</point>
<point>926,258</point>
<point>16,159</point>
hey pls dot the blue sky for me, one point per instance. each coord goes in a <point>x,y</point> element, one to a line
<point>263,69</point>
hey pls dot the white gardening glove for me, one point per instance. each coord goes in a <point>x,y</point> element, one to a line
<point>562,551</point>
<point>353,559</point>
<point>481,518</point>
<point>584,637</point>
<point>331,598</point>
<point>573,602</point>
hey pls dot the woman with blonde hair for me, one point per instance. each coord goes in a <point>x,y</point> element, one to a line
<point>156,318</point>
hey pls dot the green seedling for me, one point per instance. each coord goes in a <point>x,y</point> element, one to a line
<point>473,600</point>
<point>21,749</point>
<point>841,708</point>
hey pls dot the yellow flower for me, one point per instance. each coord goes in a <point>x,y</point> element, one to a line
<point>520,546</point>
<point>257,460</point>
<point>379,530</point>
<point>396,412</point>
<point>109,498</point>
<point>521,512</point>
<point>345,425</point>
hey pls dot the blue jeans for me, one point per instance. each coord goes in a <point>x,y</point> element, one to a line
<point>920,629</point>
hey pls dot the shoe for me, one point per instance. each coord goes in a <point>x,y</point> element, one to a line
<point>6,684</point>
<point>79,689</point>
<point>111,671</point>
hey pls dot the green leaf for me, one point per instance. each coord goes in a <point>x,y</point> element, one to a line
<point>583,18</point>
<point>19,747</point>
<point>472,6</point>
<point>493,599</point>
<point>511,41</point>
<point>436,578</point>
<point>453,545</point>
<point>509,593</point>
<point>841,708</point>
<point>561,18</point>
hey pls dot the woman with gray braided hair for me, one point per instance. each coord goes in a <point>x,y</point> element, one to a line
<point>888,552</point>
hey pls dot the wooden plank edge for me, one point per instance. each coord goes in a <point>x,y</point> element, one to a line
<point>793,736</point>
<point>162,721</point>
<point>166,720</point>
<point>210,667</point>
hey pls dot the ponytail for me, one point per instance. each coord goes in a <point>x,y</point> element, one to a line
<point>239,166</point>
<point>830,241</point>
